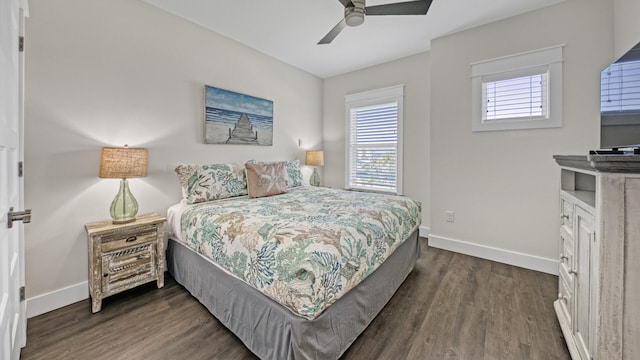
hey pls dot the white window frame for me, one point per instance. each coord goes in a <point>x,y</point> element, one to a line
<point>513,66</point>
<point>372,98</point>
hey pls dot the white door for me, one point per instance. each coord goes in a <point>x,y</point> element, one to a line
<point>12,307</point>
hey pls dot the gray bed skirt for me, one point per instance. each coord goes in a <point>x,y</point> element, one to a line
<point>272,331</point>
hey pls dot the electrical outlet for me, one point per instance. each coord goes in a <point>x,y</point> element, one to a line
<point>450,215</point>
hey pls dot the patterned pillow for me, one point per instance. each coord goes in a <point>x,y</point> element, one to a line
<point>266,179</point>
<point>202,183</point>
<point>187,174</point>
<point>292,169</point>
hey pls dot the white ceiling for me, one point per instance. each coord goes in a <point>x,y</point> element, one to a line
<point>290,30</point>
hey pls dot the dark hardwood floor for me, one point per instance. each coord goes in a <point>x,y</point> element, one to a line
<point>451,306</point>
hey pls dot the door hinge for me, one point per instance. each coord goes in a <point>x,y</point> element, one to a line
<point>22,295</point>
<point>21,44</point>
<point>20,168</point>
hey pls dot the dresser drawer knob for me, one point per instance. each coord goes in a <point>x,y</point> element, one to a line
<point>131,238</point>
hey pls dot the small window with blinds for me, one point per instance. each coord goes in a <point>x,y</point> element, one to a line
<point>522,97</point>
<point>522,91</point>
<point>620,88</point>
<point>373,142</point>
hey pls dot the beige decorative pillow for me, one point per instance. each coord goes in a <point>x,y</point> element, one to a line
<point>291,168</point>
<point>266,179</point>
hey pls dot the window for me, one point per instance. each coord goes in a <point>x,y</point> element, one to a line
<point>374,140</point>
<point>521,91</point>
<point>522,97</point>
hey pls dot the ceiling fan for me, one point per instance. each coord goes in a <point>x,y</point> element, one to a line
<point>355,10</point>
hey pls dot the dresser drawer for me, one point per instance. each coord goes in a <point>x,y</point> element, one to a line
<point>566,252</point>
<point>566,214</point>
<point>124,239</point>
<point>124,267</point>
<point>565,297</point>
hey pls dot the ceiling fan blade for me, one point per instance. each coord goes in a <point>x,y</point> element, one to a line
<point>419,7</point>
<point>346,3</point>
<point>333,33</point>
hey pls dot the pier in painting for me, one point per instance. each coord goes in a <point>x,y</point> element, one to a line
<point>243,132</point>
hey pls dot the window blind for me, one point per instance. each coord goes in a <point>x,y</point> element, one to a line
<point>374,147</point>
<point>521,97</point>
<point>620,88</point>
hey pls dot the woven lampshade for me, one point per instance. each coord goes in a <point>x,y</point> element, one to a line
<point>314,158</point>
<point>123,162</point>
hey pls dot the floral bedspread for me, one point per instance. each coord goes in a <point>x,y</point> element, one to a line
<point>305,248</point>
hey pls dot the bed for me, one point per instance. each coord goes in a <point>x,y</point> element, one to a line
<point>298,275</point>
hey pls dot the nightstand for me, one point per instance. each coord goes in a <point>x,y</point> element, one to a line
<point>123,256</point>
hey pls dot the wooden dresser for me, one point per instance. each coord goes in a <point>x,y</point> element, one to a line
<point>123,256</point>
<point>598,304</point>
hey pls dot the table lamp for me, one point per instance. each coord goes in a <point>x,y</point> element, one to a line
<point>122,163</point>
<point>314,158</point>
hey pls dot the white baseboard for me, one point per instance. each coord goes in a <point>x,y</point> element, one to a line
<point>423,231</point>
<point>549,266</point>
<point>44,303</point>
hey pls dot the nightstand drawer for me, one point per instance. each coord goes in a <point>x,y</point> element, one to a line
<point>128,238</point>
<point>126,266</point>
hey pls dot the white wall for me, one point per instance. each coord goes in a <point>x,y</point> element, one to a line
<point>626,25</point>
<point>411,71</point>
<point>503,185</point>
<point>112,72</point>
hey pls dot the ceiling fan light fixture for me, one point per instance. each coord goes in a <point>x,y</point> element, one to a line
<point>354,18</point>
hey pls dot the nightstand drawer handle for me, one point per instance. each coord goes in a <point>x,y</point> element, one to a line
<point>132,238</point>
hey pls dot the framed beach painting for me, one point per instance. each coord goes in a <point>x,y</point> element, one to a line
<point>234,118</point>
